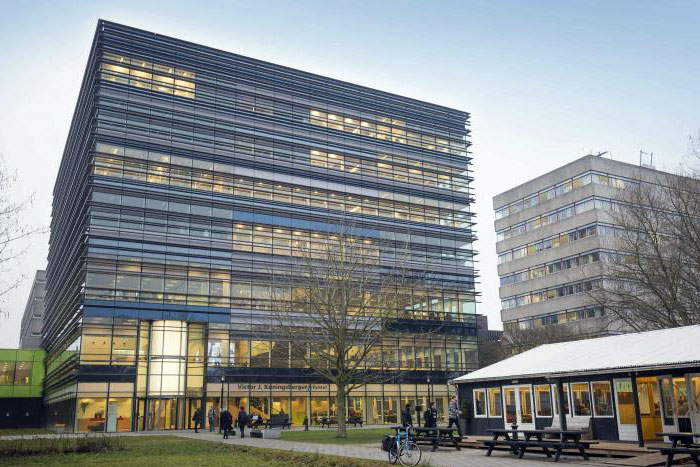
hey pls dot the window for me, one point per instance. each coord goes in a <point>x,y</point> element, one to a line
<point>602,399</point>
<point>565,397</point>
<point>479,402</point>
<point>543,401</point>
<point>581,398</point>
<point>495,402</point>
<point>7,372</point>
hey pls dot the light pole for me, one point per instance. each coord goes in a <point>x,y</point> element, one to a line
<point>221,401</point>
<point>428,391</point>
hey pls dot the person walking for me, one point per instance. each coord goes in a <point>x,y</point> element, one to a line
<point>197,419</point>
<point>406,416</point>
<point>454,413</point>
<point>241,420</point>
<point>226,421</point>
<point>212,417</point>
<point>430,417</point>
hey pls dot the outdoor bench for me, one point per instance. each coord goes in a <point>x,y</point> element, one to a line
<point>278,420</point>
<point>669,452</point>
<point>355,421</point>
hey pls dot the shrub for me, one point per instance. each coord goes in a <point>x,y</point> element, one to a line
<point>34,446</point>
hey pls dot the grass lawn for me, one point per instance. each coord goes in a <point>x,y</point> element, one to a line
<point>355,436</point>
<point>170,451</point>
<point>23,431</point>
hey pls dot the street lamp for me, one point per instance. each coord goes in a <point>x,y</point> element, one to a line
<point>221,400</point>
<point>428,391</point>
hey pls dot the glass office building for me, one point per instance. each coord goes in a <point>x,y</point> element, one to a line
<point>190,176</point>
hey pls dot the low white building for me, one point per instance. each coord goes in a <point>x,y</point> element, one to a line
<point>626,387</point>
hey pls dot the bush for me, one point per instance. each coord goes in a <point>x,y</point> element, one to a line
<point>34,446</point>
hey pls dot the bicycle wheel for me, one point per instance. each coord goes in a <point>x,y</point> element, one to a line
<point>393,454</point>
<point>409,454</point>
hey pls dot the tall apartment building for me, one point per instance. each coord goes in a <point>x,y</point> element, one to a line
<point>33,318</point>
<point>551,235</point>
<point>188,178</point>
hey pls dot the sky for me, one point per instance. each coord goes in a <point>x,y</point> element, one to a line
<point>546,82</point>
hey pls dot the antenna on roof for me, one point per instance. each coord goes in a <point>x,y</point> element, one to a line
<point>650,165</point>
<point>600,154</point>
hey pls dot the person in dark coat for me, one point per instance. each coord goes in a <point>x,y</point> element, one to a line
<point>226,421</point>
<point>242,420</point>
<point>430,416</point>
<point>406,416</point>
<point>196,418</point>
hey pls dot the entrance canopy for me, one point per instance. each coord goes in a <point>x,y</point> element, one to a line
<point>651,350</point>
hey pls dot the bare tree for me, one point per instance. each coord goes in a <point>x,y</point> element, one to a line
<point>12,228</point>
<point>337,304</point>
<point>515,340</point>
<point>653,279</point>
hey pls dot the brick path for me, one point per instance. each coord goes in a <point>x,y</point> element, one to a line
<point>441,458</point>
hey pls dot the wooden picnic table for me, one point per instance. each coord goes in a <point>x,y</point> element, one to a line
<point>568,439</point>
<point>688,446</point>
<point>686,439</point>
<point>439,435</point>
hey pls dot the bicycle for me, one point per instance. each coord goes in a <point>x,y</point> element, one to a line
<point>408,453</point>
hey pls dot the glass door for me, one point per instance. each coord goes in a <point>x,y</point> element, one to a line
<point>694,385</point>
<point>624,402</point>
<point>526,419</point>
<point>668,404</point>
<point>517,406</point>
<point>510,409</point>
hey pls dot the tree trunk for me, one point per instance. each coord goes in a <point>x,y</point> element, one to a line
<point>340,411</point>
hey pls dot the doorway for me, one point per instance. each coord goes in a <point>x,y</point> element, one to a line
<point>517,406</point>
<point>624,402</point>
<point>649,407</point>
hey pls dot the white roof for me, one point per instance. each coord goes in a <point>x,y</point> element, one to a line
<point>642,350</point>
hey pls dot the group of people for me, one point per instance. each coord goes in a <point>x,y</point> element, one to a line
<point>430,417</point>
<point>225,421</point>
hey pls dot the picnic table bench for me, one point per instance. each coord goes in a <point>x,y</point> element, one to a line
<point>278,420</point>
<point>441,436</point>
<point>355,420</point>
<point>568,439</point>
<point>688,446</point>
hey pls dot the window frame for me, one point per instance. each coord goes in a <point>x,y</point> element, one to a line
<point>537,400</point>
<point>572,399</point>
<point>485,399</point>
<point>488,402</point>
<point>555,401</point>
<point>595,405</point>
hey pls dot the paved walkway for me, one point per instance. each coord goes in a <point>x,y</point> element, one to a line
<point>441,458</point>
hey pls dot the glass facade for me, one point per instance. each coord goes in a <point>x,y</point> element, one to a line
<point>190,178</point>
<point>21,373</point>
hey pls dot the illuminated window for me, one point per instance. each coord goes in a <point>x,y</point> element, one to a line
<point>602,399</point>
<point>495,402</point>
<point>543,401</point>
<point>145,75</point>
<point>479,402</point>
<point>581,399</point>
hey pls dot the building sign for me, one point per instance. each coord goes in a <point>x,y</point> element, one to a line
<point>279,387</point>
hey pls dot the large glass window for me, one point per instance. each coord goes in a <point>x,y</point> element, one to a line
<point>543,401</point>
<point>7,372</point>
<point>680,391</point>
<point>479,402</point>
<point>602,399</point>
<point>260,354</point>
<point>564,396</point>
<point>581,398</point>
<point>495,402</point>
<point>91,412</point>
<point>23,373</point>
